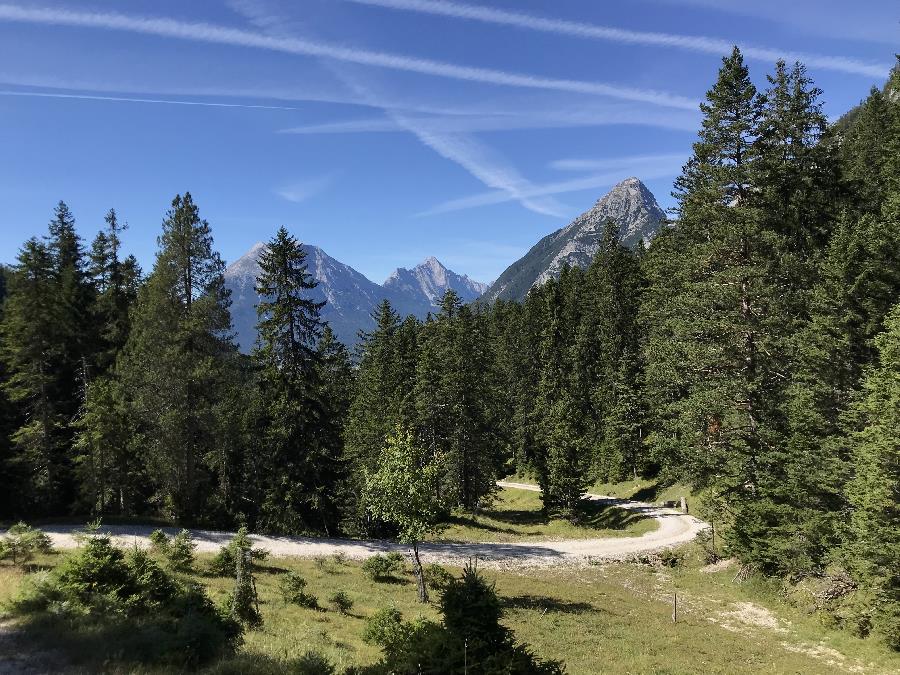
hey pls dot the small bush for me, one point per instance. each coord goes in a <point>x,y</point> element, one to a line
<point>224,564</point>
<point>341,602</point>
<point>437,577</point>
<point>181,551</point>
<point>293,590</point>
<point>244,602</point>
<point>128,608</point>
<point>22,542</point>
<point>312,663</point>
<point>383,567</point>
<point>159,542</point>
<point>386,629</point>
<point>671,557</point>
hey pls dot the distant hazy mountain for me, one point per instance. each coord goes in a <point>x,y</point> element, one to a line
<point>428,281</point>
<point>350,297</point>
<point>630,204</point>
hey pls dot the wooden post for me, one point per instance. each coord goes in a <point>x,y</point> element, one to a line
<point>675,607</point>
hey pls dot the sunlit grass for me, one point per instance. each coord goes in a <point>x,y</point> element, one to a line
<point>600,619</point>
<point>516,515</point>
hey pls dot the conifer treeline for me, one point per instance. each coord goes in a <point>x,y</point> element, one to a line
<point>751,350</point>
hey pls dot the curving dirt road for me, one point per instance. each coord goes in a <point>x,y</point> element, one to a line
<point>674,528</point>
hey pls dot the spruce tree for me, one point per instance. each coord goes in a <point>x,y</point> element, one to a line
<point>722,309</point>
<point>301,462</point>
<point>873,539</point>
<point>33,359</point>
<point>179,369</point>
<point>116,282</point>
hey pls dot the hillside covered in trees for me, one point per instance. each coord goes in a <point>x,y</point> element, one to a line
<point>752,350</point>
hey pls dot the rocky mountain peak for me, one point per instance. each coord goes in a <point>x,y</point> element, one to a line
<point>629,204</point>
<point>350,297</point>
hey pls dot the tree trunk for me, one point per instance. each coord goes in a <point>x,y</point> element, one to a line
<point>420,575</point>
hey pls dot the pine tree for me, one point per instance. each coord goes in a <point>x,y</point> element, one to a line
<point>873,539</point>
<point>723,310</point>
<point>109,475</point>
<point>116,284</point>
<point>301,465</point>
<point>179,369</point>
<point>32,357</point>
<point>605,363</point>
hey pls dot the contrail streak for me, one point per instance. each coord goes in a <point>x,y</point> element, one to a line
<point>126,99</point>
<point>698,43</point>
<point>210,33</point>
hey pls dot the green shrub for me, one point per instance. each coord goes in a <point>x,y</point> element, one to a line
<point>97,569</point>
<point>126,608</point>
<point>293,590</point>
<point>181,551</point>
<point>153,588</point>
<point>224,564</point>
<point>341,602</point>
<point>159,542</point>
<point>437,577</point>
<point>312,663</point>
<point>22,542</point>
<point>244,602</point>
<point>471,634</point>
<point>671,557</point>
<point>386,629</point>
<point>383,567</point>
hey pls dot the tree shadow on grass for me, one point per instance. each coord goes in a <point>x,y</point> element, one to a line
<point>598,515</point>
<point>544,603</point>
<point>647,494</point>
<point>594,514</point>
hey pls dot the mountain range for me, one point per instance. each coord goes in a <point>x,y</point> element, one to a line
<point>351,298</point>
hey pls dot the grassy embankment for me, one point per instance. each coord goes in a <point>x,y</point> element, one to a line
<point>612,618</point>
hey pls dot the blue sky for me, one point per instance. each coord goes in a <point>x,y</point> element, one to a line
<point>383,131</point>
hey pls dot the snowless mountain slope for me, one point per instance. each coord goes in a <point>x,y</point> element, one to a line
<point>630,204</point>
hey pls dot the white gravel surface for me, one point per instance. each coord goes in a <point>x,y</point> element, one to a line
<point>674,528</point>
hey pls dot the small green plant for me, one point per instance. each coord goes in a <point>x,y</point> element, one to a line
<point>293,590</point>
<point>312,663</point>
<point>224,564</point>
<point>91,529</point>
<point>159,542</point>
<point>181,551</point>
<point>383,567</point>
<point>385,628</point>
<point>671,557</point>
<point>437,577</point>
<point>341,602</point>
<point>22,542</point>
<point>244,601</point>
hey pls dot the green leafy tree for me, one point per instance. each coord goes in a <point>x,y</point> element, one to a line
<point>403,491</point>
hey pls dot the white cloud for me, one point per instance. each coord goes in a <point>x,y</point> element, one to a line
<point>301,190</point>
<point>695,43</point>
<point>206,32</point>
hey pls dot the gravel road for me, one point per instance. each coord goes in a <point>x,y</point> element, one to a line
<point>674,528</point>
